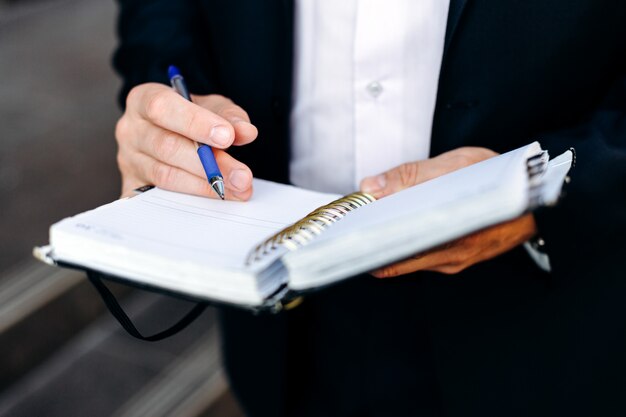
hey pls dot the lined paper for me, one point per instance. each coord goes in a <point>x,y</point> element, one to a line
<point>190,228</point>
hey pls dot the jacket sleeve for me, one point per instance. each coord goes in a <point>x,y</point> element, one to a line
<point>153,34</point>
<point>586,232</point>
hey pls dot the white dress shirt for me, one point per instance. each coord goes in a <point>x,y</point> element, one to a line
<point>365,85</point>
<point>366,74</point>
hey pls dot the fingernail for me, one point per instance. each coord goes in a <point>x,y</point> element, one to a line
<point>239,179</point>
<point>220,135</point>
<point>375,184</point>
<point>241,123</point>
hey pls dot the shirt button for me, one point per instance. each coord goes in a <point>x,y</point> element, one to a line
<point>374,89</point>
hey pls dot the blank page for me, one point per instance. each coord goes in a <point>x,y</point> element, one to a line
<point>415,219</point>
<point>190,228</point>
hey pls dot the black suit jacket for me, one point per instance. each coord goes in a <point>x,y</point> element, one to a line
<point>501,338</point>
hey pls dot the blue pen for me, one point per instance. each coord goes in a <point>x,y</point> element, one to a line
<point>205,152</point>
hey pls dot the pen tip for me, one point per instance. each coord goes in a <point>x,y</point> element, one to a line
<point>172,72</point>
<point>218,187</point>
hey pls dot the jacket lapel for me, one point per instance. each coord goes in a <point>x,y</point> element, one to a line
<point>454,15</point>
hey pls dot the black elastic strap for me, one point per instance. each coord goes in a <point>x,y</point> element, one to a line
<point>117,311</point>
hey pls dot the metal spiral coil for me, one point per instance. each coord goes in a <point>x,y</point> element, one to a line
<point>536,167</point>
<point>304,231</point>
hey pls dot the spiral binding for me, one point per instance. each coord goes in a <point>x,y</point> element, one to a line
<point>536,166</point>
<point>304,231</point>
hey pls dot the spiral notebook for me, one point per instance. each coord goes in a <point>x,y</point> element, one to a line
<point>287,240</point>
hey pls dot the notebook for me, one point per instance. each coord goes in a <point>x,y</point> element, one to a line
<point>286,240</point>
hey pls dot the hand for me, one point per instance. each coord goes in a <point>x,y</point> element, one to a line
<point>155,141</point>
<point>462,253</point>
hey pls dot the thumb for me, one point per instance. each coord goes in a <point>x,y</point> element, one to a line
<point>392,181</point>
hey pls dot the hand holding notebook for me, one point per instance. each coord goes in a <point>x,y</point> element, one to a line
<point>451,257</point>
<point>294,240</point>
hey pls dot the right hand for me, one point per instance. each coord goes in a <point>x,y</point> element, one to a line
<point>155,141</point>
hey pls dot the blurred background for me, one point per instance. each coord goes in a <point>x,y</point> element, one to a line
<point>61,353</point>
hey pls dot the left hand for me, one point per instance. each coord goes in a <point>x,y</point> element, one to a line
<point>460,254</point>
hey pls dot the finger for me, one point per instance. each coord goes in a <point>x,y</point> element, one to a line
<point>394,180</point>
<point>413,173</point>
<point>425,262</point>
<point>467,155</point>
<point>130,184</point>
<point>172,178</point>
<point>170,148</point>
<point>405,176</point>
<point>452,257</point>
<point>165,108</point>
<point>245,132</point>
<point>410,174</point>
<point>458,255</point>
<point>180,152</point>
<point>237,175</point>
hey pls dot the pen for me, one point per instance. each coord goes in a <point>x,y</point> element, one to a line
<point>213,174</point>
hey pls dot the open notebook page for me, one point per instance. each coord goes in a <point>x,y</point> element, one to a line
<point>415,219</point>
<point>189,231</point>
<point>508,169</point>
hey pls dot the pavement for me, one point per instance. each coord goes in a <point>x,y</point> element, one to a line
<point>57,115</point>
<point>61,353</point>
